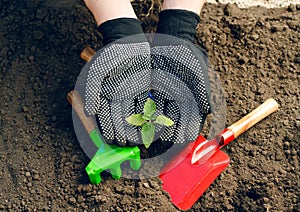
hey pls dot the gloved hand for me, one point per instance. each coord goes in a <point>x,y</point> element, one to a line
<point>186,64</point>
<point>183,87</point>
<point>117,75</point>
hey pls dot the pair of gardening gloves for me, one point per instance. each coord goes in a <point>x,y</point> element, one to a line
<point>170,71</point>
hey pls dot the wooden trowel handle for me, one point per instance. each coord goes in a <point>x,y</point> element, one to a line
<point>265,109</point>
<point>75,100</point>
<point>87,54</point>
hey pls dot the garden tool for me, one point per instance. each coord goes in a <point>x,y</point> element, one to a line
<point>108,157</point>
<point>190,173</point>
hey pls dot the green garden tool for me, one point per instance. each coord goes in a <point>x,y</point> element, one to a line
<point>108,157</point>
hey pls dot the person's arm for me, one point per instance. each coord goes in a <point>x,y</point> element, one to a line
<point>105,10</point>
<point>189,5</point>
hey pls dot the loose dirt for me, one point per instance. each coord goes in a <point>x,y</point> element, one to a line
<point>256,54</point>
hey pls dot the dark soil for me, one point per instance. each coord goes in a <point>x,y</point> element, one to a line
<point>256,53</point>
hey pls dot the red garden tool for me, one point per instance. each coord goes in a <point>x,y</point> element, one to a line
<point>189,174</point>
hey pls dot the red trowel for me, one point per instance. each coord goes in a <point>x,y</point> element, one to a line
<point>190,173</point>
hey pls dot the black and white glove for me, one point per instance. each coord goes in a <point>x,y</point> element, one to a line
<point>182,84</point>
<point>117,75</point>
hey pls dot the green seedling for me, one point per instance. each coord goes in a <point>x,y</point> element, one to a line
<point>147,121</point>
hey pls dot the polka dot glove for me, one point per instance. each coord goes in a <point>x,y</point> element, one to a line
<point>179,78</point>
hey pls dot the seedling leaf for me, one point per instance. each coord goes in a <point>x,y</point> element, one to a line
<point>146,118</point>
<point>148,131</point>
<point>149,108</point>
<point>136,120</point>
<point>163,120</point>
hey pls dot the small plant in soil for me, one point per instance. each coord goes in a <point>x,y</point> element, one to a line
<point>147,121</point>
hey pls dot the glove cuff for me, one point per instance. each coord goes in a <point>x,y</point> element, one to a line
<point>178,23</point>
<point>115,29</point>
